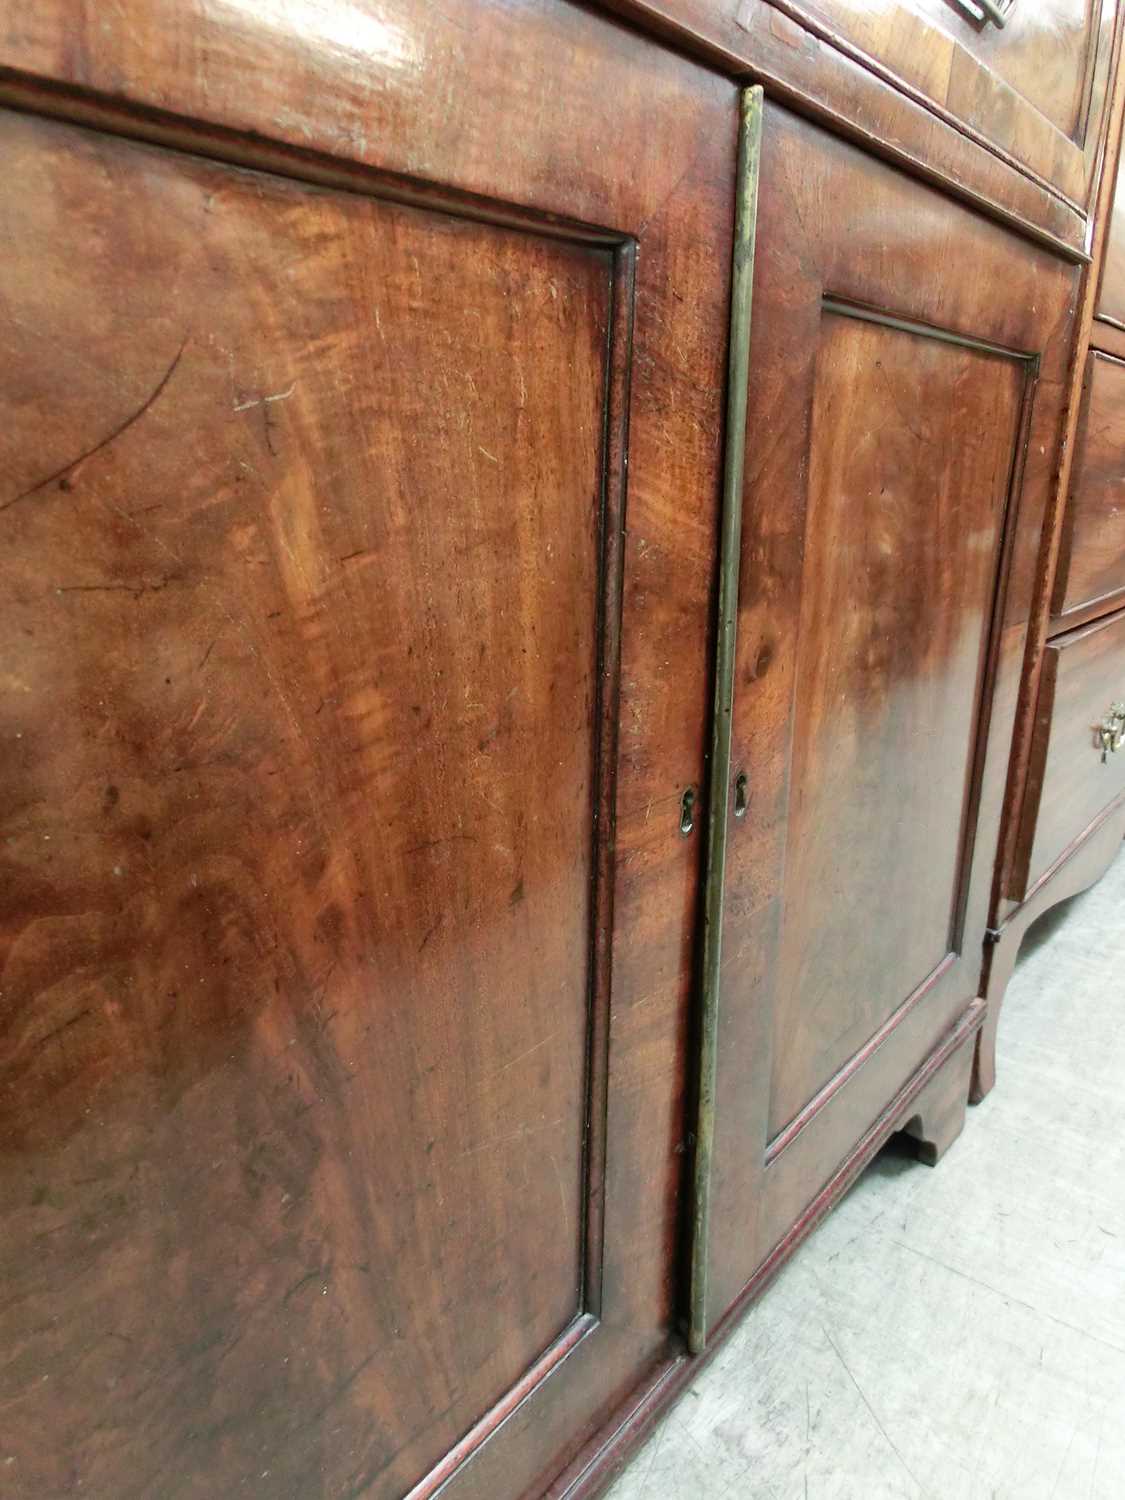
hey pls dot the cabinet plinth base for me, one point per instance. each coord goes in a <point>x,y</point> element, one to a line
<point>1080,867</point>
<point>938,1114</point>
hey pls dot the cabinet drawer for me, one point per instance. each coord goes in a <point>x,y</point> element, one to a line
<point>1034,87</point>
<point>1069,782</point>
<point>1091,567</point>
<point>1111,292</point>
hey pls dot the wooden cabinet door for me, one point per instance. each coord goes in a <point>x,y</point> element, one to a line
<point>905,369</point>
<point>347,916</point>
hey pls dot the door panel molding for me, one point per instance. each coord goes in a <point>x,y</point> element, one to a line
<point>913,445</point>
<point>804,1117</point>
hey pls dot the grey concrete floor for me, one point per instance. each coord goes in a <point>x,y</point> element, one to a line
<point>955,1333</point>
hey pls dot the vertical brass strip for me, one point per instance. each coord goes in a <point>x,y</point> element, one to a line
<point>718,815</point>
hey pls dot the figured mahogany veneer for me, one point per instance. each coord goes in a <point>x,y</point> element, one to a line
<point>364,371</point>
<point>901,558</point>
<point>1070,779</point>
<point>902,429</point>
<point>1035,87</point>
<point>347,932</point>
<point>346,82</point>
<point>929,1108</point>
<point>1090,578</point>
<point>1062,821</point>
<point>1110,303</point>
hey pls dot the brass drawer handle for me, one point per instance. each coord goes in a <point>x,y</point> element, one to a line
<point>987,10</point>
<point>997,16</point>
<point>1110,733</point>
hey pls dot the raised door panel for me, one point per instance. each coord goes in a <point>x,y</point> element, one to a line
<point>901,429</point>
<point>1034,88</point>
<point>910,457</point>
<point>1090,577</point>
<point>320,669</point>
<point>323,850</point>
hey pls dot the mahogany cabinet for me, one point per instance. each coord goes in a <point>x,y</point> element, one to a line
<point>1065,815</point>
<point>521,559</point>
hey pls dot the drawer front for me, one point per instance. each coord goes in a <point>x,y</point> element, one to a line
<point>1091,568</point>
<point>1034,87</point>
<point>1111,293</point>
<point>1072,778</point>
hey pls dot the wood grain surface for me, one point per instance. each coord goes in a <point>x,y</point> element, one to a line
<point>1069,783</point>
<point>912,442</point>
<point>344,81</point>
<point>1035,87</point>
<point>1091,567</point>
<point>347,729</point>
<point>896,488</point>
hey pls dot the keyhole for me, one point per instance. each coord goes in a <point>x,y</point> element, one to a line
<point>687,811</point>
<point>740,795</point>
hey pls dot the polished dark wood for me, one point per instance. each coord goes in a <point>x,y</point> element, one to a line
<point>1090,578</point>
<point>911,447</point>
<point>1110,305</point>
<point>1009,879</point>
<point>904,425</point>
<point>1058,834</point>
<point>1070,781</point>
<point>363,373</point>
<point>1083,862</point>
<point>1107,338</point>
<point>1035,88</point>
<point>937,1115</point>
<point>345,84</point>
<point>898,1112</point>
<point>929,1109</point>
<point>348,920</point>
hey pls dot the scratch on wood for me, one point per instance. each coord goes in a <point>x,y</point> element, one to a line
<point>265,400</point>
<point>429,935</point>
<point>136,589</point>
<point>562,1193</point>
<point>503,1140</point>
<point>452,838</point>
<point>65,475</point>
<point>528,1053</point>
<point>64,1026</point>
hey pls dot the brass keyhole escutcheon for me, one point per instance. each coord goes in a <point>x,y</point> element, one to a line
<point>687,811</point>
<point>741,800</point>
